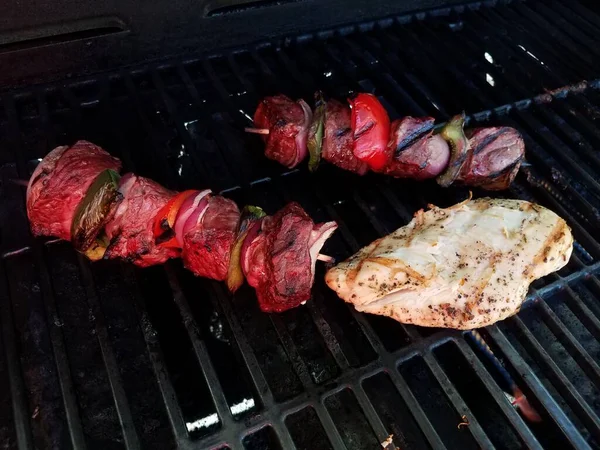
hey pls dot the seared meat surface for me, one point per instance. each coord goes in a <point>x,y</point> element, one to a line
<point>288,122</point>
<point>206,248</point>
<point>337,139</point>
<point>416,153</point>
<point>463,267</point>
<point>495,156</point>
<point>137,220</point>
<point>60,182</point>
<point>279,262</point>
<point>130,230</point>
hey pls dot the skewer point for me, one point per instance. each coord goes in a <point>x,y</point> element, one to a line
<point>325,258</point>
<point>19,182</point>
<point>256,130</point>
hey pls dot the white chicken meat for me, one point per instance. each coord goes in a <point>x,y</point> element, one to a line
<point>464,267</point>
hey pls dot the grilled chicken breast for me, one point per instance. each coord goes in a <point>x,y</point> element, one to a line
<point>463,267</point>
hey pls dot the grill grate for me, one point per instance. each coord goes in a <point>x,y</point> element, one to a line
<point>108,356</point>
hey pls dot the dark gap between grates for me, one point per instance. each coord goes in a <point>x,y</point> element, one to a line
<point>350,421</point>
<point>307,431</point>
<point>586,294</point>
<point>45,410</point>
<point>77,322</point>
<point>221,346</point>
<point>263,439</point>
<point>564,361</point>
<point>477,398</point>
<point>192,392</point>
<point>435,404</point>
<point>148,411</point>
<point>554,386</point>
<point>546,432</point>
<point>394,412</point>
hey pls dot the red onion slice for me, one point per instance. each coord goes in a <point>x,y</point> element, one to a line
<point>245,257</point>
<point>318,236</point>
<point>196,216</point>
<point>186,210</point>
<point>302,136</point>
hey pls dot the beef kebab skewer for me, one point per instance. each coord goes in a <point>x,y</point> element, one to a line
<point>77,194</point>
<point>359,138</point>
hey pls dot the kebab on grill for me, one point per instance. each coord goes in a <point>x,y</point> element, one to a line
<point>76,194</point>
<point>465,267</point>
<point>359,137</point>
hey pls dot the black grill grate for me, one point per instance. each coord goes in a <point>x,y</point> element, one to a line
<point>107,356</point>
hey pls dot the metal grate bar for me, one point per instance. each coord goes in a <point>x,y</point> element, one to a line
<point>159,161</point>
<point>17,385</point>
<point>400,384</point>
<point>260,383</point>
<point>571,162</point>
<point>486,25</point>
<point>110,362</point>
<point>582,13</point>
<point>365,404</point>
<point>156,357</point>
<point>494,390</point>
<point>459,404</point>
<point>577,65</point>
<point>112,369</point>
<point>149,333</point>
<point>296,360</point>
<point>581,145</point>
<point>62,362</point>
<point>584,314</point>
<point>335,439</point>
<point>559,380</point>
<point>536,386</point>
<point>369,411</point>
<point>188,145</point>
<point>327,333</point>
<point>262,387</point>
<point>591,368</point>
<point>206,366</point>
<point>578,21</point>
<point>569,33</point>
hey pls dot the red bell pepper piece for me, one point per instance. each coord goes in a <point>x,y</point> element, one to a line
<point>370,131</point>
<point>165,219</point>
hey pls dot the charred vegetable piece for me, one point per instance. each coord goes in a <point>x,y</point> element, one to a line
<point>370,131</point>
<point>235,274</point>
<point>316,132</point>
<point>96,251</point>
<point>453,133</point>
<point>93,211</point>
<point>165,219</point>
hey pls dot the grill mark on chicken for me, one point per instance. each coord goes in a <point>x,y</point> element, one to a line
<point>557,235</point>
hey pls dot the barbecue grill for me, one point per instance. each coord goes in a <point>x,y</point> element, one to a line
<point>108,356</point>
